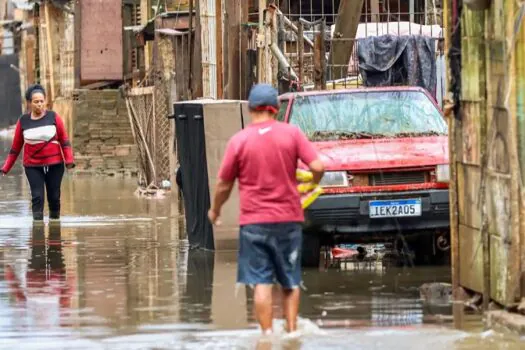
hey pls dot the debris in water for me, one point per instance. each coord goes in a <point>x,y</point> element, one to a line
<point>436,293</point>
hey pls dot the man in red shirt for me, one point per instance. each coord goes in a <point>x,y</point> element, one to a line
<point>263,158</point>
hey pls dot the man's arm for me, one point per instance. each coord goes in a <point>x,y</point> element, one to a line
<point>308,155</point>
<point>227,175</point>
<point>317,169</point>
<point>223,190</point>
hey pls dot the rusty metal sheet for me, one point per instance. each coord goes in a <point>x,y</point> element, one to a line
<point>469,182</point>
<point>101,56</point>
<point>471,258</point>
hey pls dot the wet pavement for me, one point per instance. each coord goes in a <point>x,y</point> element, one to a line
<point>114,274</point>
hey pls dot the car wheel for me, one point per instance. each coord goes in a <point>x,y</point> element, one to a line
<point>311,252</point>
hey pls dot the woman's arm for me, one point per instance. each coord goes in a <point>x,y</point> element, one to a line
<point>16,148</point>
<point>63,139</point>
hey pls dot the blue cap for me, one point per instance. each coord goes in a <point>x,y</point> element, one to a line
<point>263,95</point>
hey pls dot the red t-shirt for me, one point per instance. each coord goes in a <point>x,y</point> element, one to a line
<point>264,158</point>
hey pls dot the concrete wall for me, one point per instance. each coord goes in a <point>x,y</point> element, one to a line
<point>102,138</point>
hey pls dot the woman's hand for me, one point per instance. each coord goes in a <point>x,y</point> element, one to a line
<point>70,166</point>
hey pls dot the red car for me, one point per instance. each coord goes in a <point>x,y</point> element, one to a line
<point>386,157</point>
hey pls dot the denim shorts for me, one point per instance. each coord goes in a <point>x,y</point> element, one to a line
<point>269,254</point>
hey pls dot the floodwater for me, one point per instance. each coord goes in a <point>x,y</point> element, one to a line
<point>114,274</point>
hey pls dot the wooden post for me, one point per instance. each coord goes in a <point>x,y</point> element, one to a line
<point>320,59</point>
<point>374,10</point>
<point>145,6</point>
<point>261,43</point>
<point>207,21</point>
<point>231,52</point>
<point>245,68</point>
<point>49,53</point>
<point>196,71</point>
<point>300,52</point>
<point>264,65</point>
<point>274,30</point>
<point>191,46</point>
<point>346,26</point>
<point>218,38</point>
<point>453,195</point>
<point>78,45</point>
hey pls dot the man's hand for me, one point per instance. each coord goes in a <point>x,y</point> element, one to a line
<point>214,217</point>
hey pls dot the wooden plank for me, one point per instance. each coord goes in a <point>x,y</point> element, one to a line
<point>140,91</point>
<point>346,25</point>
<point>300,52</point>
<point>245,73</point>
<point>232,51</point>
<point>207,47</point>
<point>101,45</point>
<point>78,40</point>
<point>520,87</point>
<point>473,114</point>
<point>468,185</point>
<point>471,258</point>
<point>219,51</point>
<point>196,66</point>
<point>514,264</point>
<point>49,53</point>
<point>320,61</point>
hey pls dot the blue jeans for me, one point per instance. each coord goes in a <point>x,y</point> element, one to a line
<point>270,253</point>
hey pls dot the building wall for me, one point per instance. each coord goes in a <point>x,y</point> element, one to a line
<point>487,217</point>
<point>102,137</point>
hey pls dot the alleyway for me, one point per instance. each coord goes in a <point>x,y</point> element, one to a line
<point>117,278</point>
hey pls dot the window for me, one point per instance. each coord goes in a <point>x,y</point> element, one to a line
<point>282,110</point>
<point>367,114</point>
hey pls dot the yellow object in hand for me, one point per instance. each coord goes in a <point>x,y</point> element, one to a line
<point>310,197</point>
<point>306,187</point>
<point>308,190</point>
<point>304,175</point>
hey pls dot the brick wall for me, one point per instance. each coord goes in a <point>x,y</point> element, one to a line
<point>102,138</point>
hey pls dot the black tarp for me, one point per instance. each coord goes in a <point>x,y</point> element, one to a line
<point>10,97</point>
<point>390,60</point>
<point>191,148</point>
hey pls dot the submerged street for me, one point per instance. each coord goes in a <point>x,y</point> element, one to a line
<point>115,275</point>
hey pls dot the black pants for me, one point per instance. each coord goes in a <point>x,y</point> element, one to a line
<point>41,180</point>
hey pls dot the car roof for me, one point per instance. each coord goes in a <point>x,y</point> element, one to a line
<point>290,95</point>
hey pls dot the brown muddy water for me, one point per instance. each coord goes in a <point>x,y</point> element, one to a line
<point>115,275</point>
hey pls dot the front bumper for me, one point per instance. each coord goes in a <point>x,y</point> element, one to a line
<point>349,213</point>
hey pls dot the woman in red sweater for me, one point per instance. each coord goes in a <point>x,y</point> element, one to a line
<point>42,135</point>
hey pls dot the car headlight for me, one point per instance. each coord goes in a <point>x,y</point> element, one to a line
<point>443,173</point>
<point>334,179</point>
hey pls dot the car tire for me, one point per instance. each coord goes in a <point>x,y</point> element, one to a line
<point>311,250</point>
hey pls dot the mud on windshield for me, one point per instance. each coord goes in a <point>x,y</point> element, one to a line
<point>358,115</point>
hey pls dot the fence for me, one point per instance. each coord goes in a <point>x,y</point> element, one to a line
<point>148,111</point>
<point>326,47</point>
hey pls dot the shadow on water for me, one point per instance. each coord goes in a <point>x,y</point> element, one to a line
<point>198,290</point>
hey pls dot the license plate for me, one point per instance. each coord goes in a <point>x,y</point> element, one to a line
<point>395,208</point>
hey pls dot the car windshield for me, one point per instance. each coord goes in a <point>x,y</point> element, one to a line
<point>375,114</point>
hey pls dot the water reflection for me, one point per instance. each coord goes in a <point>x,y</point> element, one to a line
<point>39,287</point>
<point>198,289</point>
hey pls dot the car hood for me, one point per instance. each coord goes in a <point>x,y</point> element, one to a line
<point>383,153</point>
